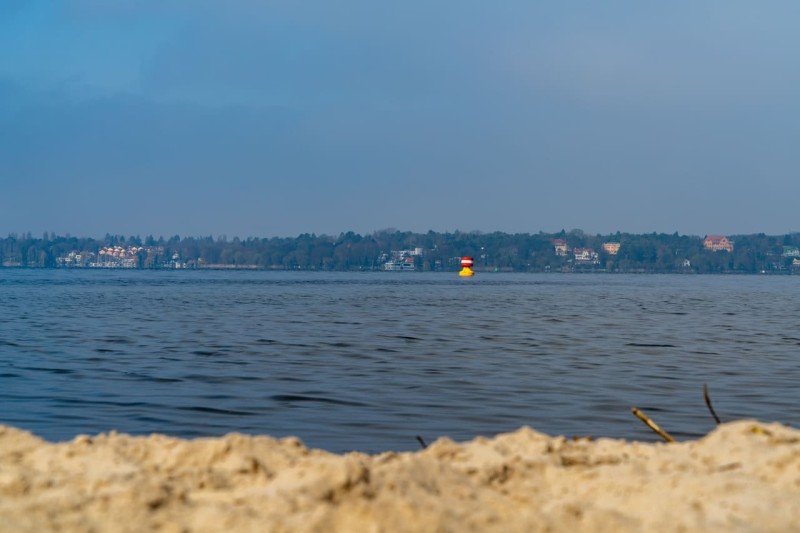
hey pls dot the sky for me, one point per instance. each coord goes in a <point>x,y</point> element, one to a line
<point>274,118</point>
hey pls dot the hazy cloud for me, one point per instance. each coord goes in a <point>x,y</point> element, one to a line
<point>262,118</point>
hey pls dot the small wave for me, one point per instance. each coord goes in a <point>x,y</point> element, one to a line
<point>206,353</point>
<point>648,345</point>
<point>47,369</point>
<point>386,350</point>
<point>118,340</point>
<point>164,380</point>
<point>318,399</point>
<point>340,344</point>
<point>95,402</point>
<point>217,379</point>
<point>215,411</point>
<point>407,338</point>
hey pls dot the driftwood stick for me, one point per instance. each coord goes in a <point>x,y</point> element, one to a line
<point>708,403</point>
<point>421,442</point>
<point>652,425</point>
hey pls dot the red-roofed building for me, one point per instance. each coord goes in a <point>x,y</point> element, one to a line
<point>717,243</point>
<point>560,246</point>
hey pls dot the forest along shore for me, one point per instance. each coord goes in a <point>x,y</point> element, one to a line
<point>573,251</point>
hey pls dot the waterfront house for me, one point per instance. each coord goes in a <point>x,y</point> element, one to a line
<point>717,243</point>
<point>586,255</point>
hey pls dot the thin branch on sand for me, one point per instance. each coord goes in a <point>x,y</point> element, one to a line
<point>421,442</point>
<point>652,425</point>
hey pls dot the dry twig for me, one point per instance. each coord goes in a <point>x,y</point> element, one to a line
<point>652,425</point>
<point>421,442</point>
<point>708,403</point>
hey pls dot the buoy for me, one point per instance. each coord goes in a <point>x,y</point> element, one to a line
<point>466,267</point>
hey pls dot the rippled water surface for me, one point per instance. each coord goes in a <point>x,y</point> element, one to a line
<point>368,361</point>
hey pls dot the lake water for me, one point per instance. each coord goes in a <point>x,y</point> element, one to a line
<point>367,361</point>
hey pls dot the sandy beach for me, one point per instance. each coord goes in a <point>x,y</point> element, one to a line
<point>744,476</point>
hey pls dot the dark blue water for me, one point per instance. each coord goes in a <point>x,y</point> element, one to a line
<point>368,361</point>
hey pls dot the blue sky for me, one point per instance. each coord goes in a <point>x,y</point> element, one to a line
<point>265,118</point>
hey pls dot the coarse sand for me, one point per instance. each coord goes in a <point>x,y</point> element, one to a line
<point>743,476</point>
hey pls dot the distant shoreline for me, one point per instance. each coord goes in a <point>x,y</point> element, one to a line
<point>573,251</point>
<point>487,272</point>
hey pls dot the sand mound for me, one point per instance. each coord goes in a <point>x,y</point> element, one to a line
<point>744,476</point>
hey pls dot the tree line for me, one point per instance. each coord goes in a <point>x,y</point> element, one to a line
<point>496,251</point>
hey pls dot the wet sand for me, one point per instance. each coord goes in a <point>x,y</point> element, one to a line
<point>744,476</point>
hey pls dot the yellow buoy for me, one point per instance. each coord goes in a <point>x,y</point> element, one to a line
<point>466,267</point>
